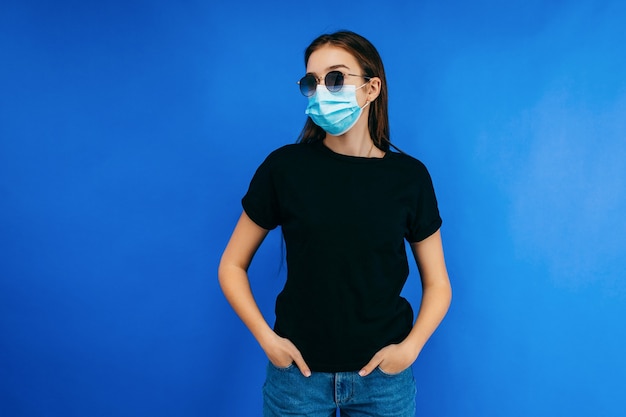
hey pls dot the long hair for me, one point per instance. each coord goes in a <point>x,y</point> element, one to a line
<point>372,66</point>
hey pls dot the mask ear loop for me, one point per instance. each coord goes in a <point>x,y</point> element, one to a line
<point>364,84</point>
<point>367,102</point>
<point>391,145</point>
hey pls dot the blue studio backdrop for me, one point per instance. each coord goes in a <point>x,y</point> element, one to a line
<point>129,132</point>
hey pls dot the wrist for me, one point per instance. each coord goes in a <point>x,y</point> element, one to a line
<point>265,337</point>
<point>412,346</point>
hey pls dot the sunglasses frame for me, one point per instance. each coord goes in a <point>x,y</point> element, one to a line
<point>305,87</point>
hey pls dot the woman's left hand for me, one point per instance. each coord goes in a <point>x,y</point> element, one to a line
<point>391,359</point>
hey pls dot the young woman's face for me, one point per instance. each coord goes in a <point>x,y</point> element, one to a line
<point>331,58</point>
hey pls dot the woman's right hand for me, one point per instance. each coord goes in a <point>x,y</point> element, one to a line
<point>282,353</point>
<point>233,278</point>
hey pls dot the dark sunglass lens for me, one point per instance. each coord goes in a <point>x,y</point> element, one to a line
<point>308,83</point>
<point>334,81</point>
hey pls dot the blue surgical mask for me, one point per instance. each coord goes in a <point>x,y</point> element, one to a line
<point>336,113</point>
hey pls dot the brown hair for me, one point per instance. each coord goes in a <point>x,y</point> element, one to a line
<point>372,66</point>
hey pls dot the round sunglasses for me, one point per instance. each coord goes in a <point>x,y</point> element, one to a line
<point>333,82</point>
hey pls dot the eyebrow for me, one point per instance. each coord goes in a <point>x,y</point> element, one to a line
<point>332,67</point>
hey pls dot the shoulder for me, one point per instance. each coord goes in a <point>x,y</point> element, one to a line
<point>409,165</point>
<point>285,151</point>
<point>290,154</point>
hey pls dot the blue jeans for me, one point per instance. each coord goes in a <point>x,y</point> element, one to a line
<point>288,393</point>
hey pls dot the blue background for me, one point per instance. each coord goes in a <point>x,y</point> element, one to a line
<point>129,132</point>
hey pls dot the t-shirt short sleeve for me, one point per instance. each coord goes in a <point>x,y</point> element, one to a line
<point>425,219</point>
<point>260,202</point>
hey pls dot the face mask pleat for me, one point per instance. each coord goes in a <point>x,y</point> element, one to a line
<point>337,112</point>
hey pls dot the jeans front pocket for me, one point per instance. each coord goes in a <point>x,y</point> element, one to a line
<point>378,368</point>
<point>280,368</point>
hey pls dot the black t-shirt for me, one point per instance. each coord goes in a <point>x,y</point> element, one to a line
<point>344,220</point>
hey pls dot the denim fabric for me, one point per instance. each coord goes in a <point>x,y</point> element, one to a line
<point>288,393</point>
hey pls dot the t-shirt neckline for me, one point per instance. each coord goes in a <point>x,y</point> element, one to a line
<point>348,158</point>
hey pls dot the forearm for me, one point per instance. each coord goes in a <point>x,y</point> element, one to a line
<point>436,300</point>
<point>236,287</point>
<point>233,278</point>
<point>396,357</point>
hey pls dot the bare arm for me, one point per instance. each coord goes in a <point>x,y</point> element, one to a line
<point>436,297</point>
<point>233,278</point>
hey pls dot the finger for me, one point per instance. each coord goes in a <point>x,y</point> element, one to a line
<point>301,364</point>
<point>372,364</point>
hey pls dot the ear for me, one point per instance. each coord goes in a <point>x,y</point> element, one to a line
<point>373,89</point>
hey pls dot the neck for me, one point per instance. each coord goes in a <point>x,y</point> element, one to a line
<point>339,145</point>
<point>356,142</point>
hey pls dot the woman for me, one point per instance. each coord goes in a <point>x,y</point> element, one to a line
<point>344,337</point>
